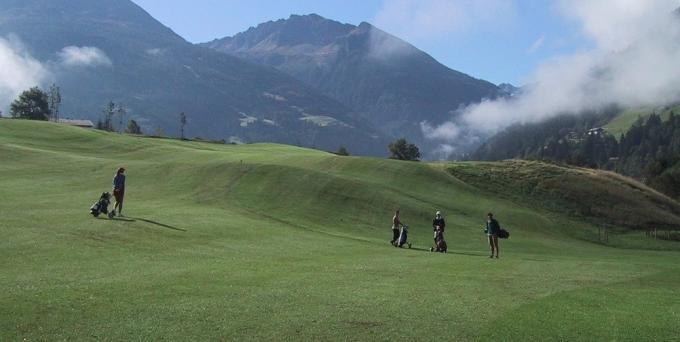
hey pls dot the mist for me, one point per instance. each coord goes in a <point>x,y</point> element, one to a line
<point>83,56</point>
<point>634,62</point>
<point>18,71</point>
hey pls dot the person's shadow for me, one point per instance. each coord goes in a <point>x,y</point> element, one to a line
<point>135,219</point>
<point>447,252</point>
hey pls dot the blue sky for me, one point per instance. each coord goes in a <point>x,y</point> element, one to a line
<point>496,40</point>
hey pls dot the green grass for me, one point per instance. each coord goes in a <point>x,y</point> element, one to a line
<point>596,196</point>
<point>270,242</point>
<point>625,120</point>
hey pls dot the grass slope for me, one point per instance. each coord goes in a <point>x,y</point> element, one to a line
<point>276,242</point>
<point>598,196</point>
<point>625,120</point>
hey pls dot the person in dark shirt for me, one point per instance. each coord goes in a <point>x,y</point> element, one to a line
<point>438,221</point>
<point>119,190</point>
<point>492,229</point>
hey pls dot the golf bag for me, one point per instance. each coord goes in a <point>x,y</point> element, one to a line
<point>403,238</point>
<point>503,234</point>
<point>102,205</point>
<point>439,243</point>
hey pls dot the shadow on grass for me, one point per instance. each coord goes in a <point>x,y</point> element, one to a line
<point>159,224</point>
<point>135,219</point>
<point>449,252</point>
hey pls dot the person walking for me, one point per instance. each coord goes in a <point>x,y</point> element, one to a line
<point>438,221</point>
<point>119,191</point>
<point>396,224</point>
<point>492,230</point>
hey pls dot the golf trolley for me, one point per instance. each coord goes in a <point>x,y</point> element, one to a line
<point>403,238</point>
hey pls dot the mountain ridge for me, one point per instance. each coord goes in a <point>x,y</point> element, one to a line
<point>385,79</point>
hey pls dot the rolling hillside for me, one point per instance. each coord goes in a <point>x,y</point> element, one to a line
<point>112,50</point>
<point>274,242</point>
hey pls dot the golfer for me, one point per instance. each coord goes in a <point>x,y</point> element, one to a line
<point>396,224</point>
<point>438,221</point>
<point>119,190</point>
<point>492,229</point>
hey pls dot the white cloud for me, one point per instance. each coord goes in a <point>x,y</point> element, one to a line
<point>447,131</point>
<point>83,56</point>
<point>536,45</point>
<point>18,71</point>
<point>635,62</point>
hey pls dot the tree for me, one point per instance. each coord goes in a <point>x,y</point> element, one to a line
<point>403,150</point>
<point>109,111</point>
<point>133,128</point>
<point>32,104</point>
<point>54,102</point>
<point>182,122</point>
<point>342,151</point>
<point>121,111</point>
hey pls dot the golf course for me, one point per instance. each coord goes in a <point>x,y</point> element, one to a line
<point>274,242</point>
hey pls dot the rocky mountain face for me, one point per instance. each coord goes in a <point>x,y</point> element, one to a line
<point>386,80</point>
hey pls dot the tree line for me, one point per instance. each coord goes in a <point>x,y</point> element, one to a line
<point>649,151</point>
<point>36,104</point>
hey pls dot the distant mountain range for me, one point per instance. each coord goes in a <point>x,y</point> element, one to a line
<point>305,81</point>
<point>112,50</point>
<point>384,79</point>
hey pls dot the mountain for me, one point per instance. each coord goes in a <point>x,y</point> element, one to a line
<point>508,90</point>
<point>388,81</point>
<point>112,50</point>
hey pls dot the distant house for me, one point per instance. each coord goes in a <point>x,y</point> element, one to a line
<point>596,131</point>
<point>77,123</point>
<point>574,137</point>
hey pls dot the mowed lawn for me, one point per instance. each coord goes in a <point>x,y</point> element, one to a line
<point>270,242</point>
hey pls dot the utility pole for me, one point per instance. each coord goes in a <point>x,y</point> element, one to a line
<point>183,122</point>
<point>121,113</point>
<point>55,102</point>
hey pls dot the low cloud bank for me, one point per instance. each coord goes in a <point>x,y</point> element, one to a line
<point>634,63</point>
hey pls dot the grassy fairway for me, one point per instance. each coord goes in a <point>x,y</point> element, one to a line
<point>272,242</point>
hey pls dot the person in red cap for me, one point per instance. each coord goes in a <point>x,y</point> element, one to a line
<point>119,191</point>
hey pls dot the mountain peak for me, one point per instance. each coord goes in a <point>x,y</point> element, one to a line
<point>308,29</point>
<point>310,17</point>
<point>383,78</point>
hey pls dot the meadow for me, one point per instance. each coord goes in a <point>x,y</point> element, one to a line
<point>273,242</point>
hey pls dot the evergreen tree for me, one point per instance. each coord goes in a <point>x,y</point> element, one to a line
<point>133,128</point>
